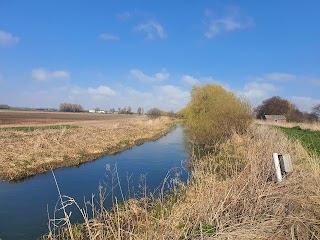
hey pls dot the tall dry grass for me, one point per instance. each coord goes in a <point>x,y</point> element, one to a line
<point>315,126</point>
<point>24,154</point>
<point>231,195</point>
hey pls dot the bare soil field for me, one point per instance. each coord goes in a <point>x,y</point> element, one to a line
<point>26,153</point>
<point>32,117</point>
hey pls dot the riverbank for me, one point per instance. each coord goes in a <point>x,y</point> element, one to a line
<point>25,153</point>
<point>231,195</point>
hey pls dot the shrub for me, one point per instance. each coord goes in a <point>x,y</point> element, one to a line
<point>215,113</point>
<point>154,113</point>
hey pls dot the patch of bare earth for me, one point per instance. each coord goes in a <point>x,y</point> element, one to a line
<point>24,154</point>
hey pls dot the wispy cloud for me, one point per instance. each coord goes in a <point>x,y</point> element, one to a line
<point>43,75</point>
<point>173,96</point>
<point>7,39</point>
<point>278,77</point>
<point>305,103</point>
<point>153,29</point>
<point>287,77</point>
<point>108,37</point>
<point>167,97</point>
<point>257,91</point>
<point>124,16</point>
<point>102,90</point>
<point>158,77</point>
<point>190,80</point>
<point>228,23</point>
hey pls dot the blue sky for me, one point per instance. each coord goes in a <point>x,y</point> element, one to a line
<point>111,54</point>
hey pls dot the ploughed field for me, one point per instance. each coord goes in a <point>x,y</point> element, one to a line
<point>36,142</point>
<point>30,117</point>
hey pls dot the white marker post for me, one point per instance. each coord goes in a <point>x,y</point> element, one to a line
<point>277,166</point>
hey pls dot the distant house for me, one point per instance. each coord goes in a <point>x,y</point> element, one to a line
<point>275,118</point>
<point>92,111</point>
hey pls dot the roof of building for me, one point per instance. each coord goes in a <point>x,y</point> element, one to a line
<point>275,117</point>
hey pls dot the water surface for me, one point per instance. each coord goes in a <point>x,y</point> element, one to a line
<point>23,205</point>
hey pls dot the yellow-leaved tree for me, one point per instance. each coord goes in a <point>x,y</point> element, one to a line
<point>214,113</point>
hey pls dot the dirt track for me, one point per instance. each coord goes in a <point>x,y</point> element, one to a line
<point>38,117</point>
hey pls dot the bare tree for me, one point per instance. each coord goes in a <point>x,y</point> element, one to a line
<point>139,111</point>
<point>129,111</point>
<point>273,106</point>
<point>70,107</point>
<point>154,113</point>
<point>316,109</point>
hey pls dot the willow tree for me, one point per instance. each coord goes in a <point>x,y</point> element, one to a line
<point>214,113</point>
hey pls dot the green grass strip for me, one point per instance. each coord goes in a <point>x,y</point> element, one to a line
<point>308,138</point>
<point>34,128</point>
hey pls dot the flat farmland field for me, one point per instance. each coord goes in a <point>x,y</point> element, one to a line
<point>36,142</point>
<point>9,117</point>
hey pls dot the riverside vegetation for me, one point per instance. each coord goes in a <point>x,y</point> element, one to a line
<point>232,193</point>
<point>33,149</point>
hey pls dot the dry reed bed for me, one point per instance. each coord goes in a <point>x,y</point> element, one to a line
<point>24,154</point>
<point>315,126</point>
<point>231,195</point>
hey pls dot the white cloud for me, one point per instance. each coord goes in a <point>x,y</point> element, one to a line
<point>305,103</point>
<point>7,39</point>
<point>153,30</point>
<point>102,90</point>
<point>172,96</point>
<point>190,80</point>
<point>257,91</point>
<point>162,76</point>
<point>43,75</point>
<point>279,77</point>
<point>231,22</point>
<point>108,37</point>
<point>167,98</point>
<point>60,74</point>
<point>139,75</point>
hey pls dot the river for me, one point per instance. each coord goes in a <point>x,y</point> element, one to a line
<point>24,204</point>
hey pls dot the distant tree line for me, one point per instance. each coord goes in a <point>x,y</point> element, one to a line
<point>279,106</point>
<point>125,110</point>
<point>70,107</point>
<point>4,106</point>
<point>156,112</point>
